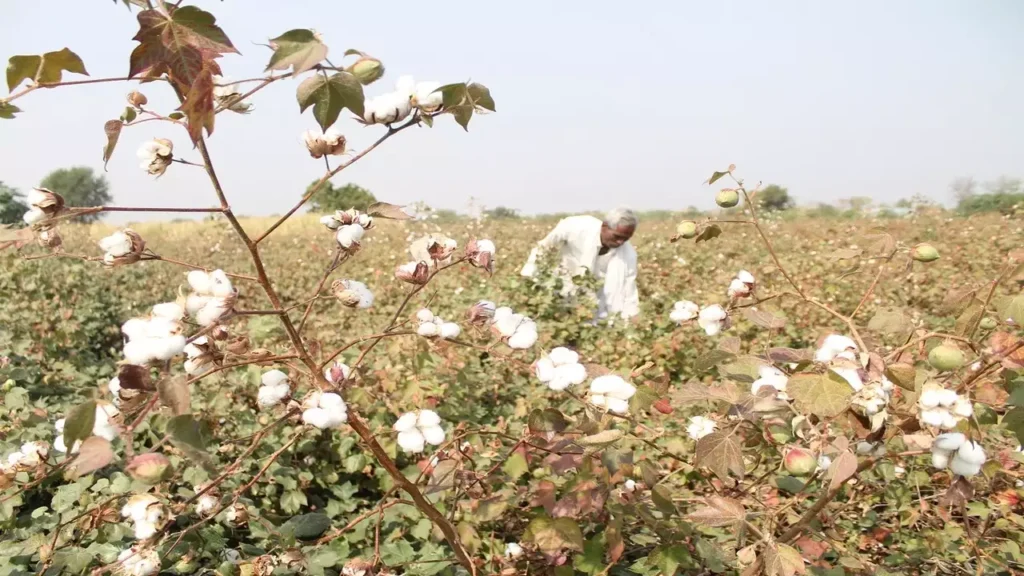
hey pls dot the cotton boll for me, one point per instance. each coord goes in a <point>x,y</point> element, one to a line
<point>213,311</point>
<point>544,369</point>
<point>737,289</point>
<point>513,550</point>
<point>711,319</point>
<point>169,310</point>
<point>522,340</point>
<point>683,311</point>
<point>34,215</point>
<point>135,329</point>
<point>411,440</point>
<point>268,396</point>
<point>200,281</point>
<point>852,377</point>
<point>572,373</point>
<point>506,324</point>
<point>606,384</point>
<point>745,277</point>
<point>206,504</point>
<point>138,352</point>
<point>700,426</point>
<point>450,330</point>
<point>963,468</point>
<point>949,421</point>
<point>426,97</point>
<point>501,313</point>
<point>617,405</point>
<point>332,401</point>
<point>428,418</point>
<point>971,452</point>
<point>940,459</point>
<point>273,378</point>
<point>949,441</point>
<point>406,422</point>
<point>170,347</point>
<point>425,315</point>
<point>562,355</point>
<point>947,397</point>
<point>318,417</point>
<point>963,408</point>
<point>933,417</point>
<point>117,244</point>
<point>428,329</point>
<point>929,398</point>
<point>434,435</point>
<point>220,284</point>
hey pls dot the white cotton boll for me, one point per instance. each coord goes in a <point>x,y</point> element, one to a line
<point>947,397</point>
<point>933,417</point>
<point>200,281</point>
<point>501,313</point>
<point>929,398</point>
<point>940,459</point>
<point>824,462</point>
<point>971,452</point>
<point>425,315</point>
<point>949,441</point>
<point>213,311</point>
<point>138,352</point>
<point>513,550</point>
<point>700,426</point>
<point>562,355</point>
<point>737,288</point>
<point>268,396</point>
<point>406,422</point>
<point>206,504</point>
<point>606,384</point>
<point>220,284</point>
<point>273,378</point>
<point>405,85</point>
<point>330,222</point>
<point>506,325</point>
<point>450,330</point>
<point>617,405</point>
<point>428,418</point>
<point>433,435</point>
<point>949,421</point>
<point>144,530</point>
<point>839,343</point>
<point>159,327</point>
<point>745,277</point>
<point>963,468</point>
<point>485,246</point>
<point>195,302</point>
<point>117,244</point>
<point>544,369</point>
<point>711,319</point>
<point>574,374</point>
<point>683,311</point>
<point>411,440</point>
<point>852,377</point>
<point>332,401</point>
<point>318,417</point>
<point>336,417</point>
<point>170,347</point>
<point>426,97</point>
<point>963,408</point>
<point>169,311</point>
<point>135,329</point>
<point>623,391</point>
<point>522,340</point>
<point>428,329</point>
<point>34,215</point>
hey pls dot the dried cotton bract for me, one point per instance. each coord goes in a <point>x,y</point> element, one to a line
<point>122,247</point>
<point>324,410</point>
<point>156,155</point>
<point>417,273</point>
<point>612,393</point>
<point>156,338</point>
<point>683,311</point>
<point>352,293</point>
<point>560,369</point>
<point>212,296</point>
<point>431,326</point>
<point>416,429</point>
<point>324,143</point>
<point>519,331</point>
<point>481,313</point>
<point>480,254</point>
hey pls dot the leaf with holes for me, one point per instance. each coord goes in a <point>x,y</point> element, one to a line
<point>824,395</point>
<point>45,69</point>
<point>389,211</point>
<point>764,318</point>
<point>709,233</point>
<point>79,423</point>
<point>93,454</point>
<point>329,95</point>
<point>719,511</point>
<point>299,49</point>
<point>842,469</point>
<point>175,395</point>
<point>721,453</point>
<point>112,129</point>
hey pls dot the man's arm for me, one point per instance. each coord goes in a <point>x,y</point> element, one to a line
<point>555,238</point>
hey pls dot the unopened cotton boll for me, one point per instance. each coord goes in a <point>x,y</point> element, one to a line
<point>337,372</point>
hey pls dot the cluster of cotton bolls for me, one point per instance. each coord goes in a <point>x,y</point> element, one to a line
<point>431,326</point>
<point>954,451</point>
<point>147,513</point>
<point>157,337</point>
<point>350,225</point>
<point>742,285</point>
<point>274,388</point>
<point>139,562</point>
<point>519,331</point>
<point>122,247</point>
<point>328,142</point>
<point>416,429</point>
<point>612,393</point>
<point>700,426</point>
<point>352,293</point>
<point>396,106</point>
<point>560,369</point>
<point>772,377</point>
<point>29,457</point>
<point>713,319</point>
<point>324,410</point>
<point>103,426</point>
<point>942,407</point>
<point>212,296</point>
<point>683,311</point>
<point>156,155</point>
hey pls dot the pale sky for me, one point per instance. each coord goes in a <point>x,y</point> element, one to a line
<point>599,103</point>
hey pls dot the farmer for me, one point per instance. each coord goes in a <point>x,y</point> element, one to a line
<point>586,243</point>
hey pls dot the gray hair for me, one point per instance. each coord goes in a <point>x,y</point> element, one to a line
<point>621,218</point>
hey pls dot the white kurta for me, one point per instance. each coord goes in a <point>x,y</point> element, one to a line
<point>578,239</point>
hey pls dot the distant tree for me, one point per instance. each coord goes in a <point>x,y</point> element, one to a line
<point>11,206</point>
<point>79,186</point>
<point>1004,195</point>
<point>502,213</point>
<point>331,198</point>
<point>774,197</point>
<point>963,188</point>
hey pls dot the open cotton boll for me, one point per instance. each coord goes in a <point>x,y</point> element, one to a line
<point>428,329</point>
<point>317,417</point>
<point>273,378</point>
<point>406,422</point>
<point>426,97</point>
<point>606,384</point>
<point>117,244</point>
<point>427,418</point>
<point>412,440</point>
<point>135,329</point>
<point>139,351</point>
<point>683,311</point>
<point>700,426</point>
<point>949,441</point>
<point>450,330</point>
<point>220,284</point>
<point>567,375</point>
<point>200,281</point>
<point>947,397</point>
<point>745,277</point>
<point>513,550</point>
<point>851,375</point>
<point>169,310</point>
<point>562,355</point>
<point>425,315</point>
<point>268,396</point>
<point>962,408</point>
<point>929,398</point>
<point>737,289</point>
<point>501,313</point>
<point>434,435</point>
<point>167,348</point>
<point>212,311</point>
<point>522,339</point>
<point>963,468</point>
<point>933,417</point>
<point>711,319</point>
<point>971,452</point>
<point>195,302</point>
<point>940,459</point>
<point>34,215</point>
<point>544,369</point>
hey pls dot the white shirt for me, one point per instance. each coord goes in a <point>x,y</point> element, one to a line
<point>578,239</point>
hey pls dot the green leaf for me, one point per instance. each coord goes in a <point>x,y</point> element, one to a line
<point>129,115</point>
<point>481,96</point>
<point>516,466</point>
<point>79,423</point>
<point>721,453</point>
<point>709,233</point>
<point>1013,310</point>
<point>112,129</point>
<point>744,369</point>
<point>308,526</point>
<point>8,110</point>
<point>325,558</point>
<point>469,537</point>
<point>547,420</point>
<point>1014,422</point>
<point>329,96</point>
<point>187,430</point>
<point>890,321</point>
<point>292,501</point>
<point>670,558</point>
<point>72,560</point>
<point>591,561</point>
<point>970,317</point>
<point>299,49</point>
<point>824,395</point>
<point>552,535</point>
<point>45,69</point>
<point>662,498</point>
<point>715,177</point>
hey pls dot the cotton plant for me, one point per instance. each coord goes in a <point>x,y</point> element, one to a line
<point>700,426</point>
<point>324,410</point>
<point>212,297</point>
<point>942,408</point>
<point>275,387</point>
<point>683,311</point>
<point>517,330</point>
<point>560,369</point>
<point>29,457</point>
<point>433,326</point>
<point>322,143</point>
<point>104,426</point>
<point>155,156</point>
<point>953,450</point>
<point>742,286</point>
<point>352,293</point>
<point>611,392</point>
<point>122,247</point>
<point>147,514</point>
<point>417,429</point>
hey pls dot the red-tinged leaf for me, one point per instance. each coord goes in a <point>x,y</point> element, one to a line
<point>94,453</point>
<point>386,210</point>
<point>662,405</point>
<point>721,452</point>
<point>842,469</point>
<point>198,105</point>
<point>113,131</point>
<point>811,549</point>
<point>181,43</point>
